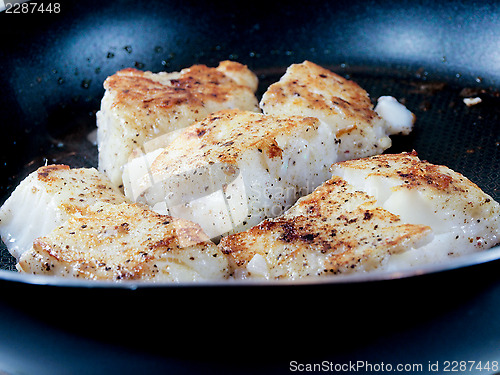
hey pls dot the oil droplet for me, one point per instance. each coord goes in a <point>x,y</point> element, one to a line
<point>139,65</point>
<point>60,80</point>
<point>110,55</point>
<point>128,49</point>
<point>166,62</point>
<point>86,83</point>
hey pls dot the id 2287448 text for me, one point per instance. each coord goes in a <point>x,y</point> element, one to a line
<point>29,8</point>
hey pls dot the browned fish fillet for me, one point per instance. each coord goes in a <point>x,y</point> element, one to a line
<point>126,242</point>
<point>140,106</point>
<point>334,230</point>
<point>308,89</point>
<point>463,218</point>
<point>46,199</point>
<point>234,169</point>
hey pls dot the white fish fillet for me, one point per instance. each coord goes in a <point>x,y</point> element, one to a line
<point>334,230</point>
<point>46,199</point>
<point>126,242</point>
<point>308,89</point>
<point>463,218</point>
<point>140,106</point>
<point>234,168</point>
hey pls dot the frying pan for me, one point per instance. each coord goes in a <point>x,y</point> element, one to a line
<point>430,55</point>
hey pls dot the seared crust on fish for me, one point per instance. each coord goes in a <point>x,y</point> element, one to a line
<point>126,242</point>
<point>46,198</point>
<point>226,135</point>
<point>334,230</point>
<point>409,172</point>
<point>463,218</point>
<point>308,89</point>
<point>235,168</point>
<point>139,106</point>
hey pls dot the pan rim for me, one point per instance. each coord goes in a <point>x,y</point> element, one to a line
<point>461,262</point>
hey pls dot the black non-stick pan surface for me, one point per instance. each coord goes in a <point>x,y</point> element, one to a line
<point>429,55</point>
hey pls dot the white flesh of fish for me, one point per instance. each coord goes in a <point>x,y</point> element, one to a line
<point>46,198</point>
<point>463,218</point>
<point>308,89</point>
<point>138,106</point>
<point>234,169</point>
<point>126,242</point>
